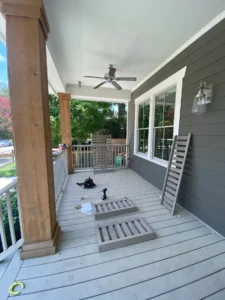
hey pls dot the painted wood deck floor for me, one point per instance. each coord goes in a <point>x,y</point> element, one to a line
<point>185,261</point>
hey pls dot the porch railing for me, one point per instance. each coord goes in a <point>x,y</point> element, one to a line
<point>83,156</point>
<point>60,169</point>
<point>10,229</point>
<point>11,235</point>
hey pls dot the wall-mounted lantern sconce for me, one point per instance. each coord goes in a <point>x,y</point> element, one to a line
<point>203,97</point>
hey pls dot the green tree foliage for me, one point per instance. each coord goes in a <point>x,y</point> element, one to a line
<point>117,124</point>
<point>54,120</point>
<point>87,117</point>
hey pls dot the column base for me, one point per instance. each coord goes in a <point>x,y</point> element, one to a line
<point>39,249</point>
<point>71,171</point>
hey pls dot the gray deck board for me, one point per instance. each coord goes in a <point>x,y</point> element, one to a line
<point>199,289</point>
<point>220,295</point>
<point>127,271</point>
<point>185,261</point>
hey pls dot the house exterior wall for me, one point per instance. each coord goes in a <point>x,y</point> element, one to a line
<point>203,185</point>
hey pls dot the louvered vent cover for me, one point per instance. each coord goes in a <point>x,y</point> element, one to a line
<point>113,208</point>
<point>122,233</point>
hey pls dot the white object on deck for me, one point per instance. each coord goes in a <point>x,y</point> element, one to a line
<point>86,208</point>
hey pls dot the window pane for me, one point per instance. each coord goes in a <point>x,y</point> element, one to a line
<point>169,107</point>
<point>140,141</point>
<point>158,142</point>
<point>146,141</point>
<point>146,114</point>
<point>140,116</point>
<point>143,116</point>
<point>143,141</point>
<point>159,104</point>
<point>168,140</point>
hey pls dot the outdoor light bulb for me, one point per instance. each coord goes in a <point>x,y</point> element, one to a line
<point>201,97</point>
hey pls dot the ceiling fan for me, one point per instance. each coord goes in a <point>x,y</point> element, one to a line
<point>110,77</point>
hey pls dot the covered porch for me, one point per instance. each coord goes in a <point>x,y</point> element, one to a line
<point>185,261</point>
<point>56,255</point>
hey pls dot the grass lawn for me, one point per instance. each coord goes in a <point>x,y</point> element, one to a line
<point>8,171</point>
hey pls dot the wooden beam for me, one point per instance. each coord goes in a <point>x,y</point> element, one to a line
<point>27,68</point>
<point>28,9</point>
<point>65,126</point>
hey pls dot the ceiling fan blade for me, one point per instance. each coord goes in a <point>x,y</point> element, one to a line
<point>112,71</point>
<point>117,86</point>
<point>94,77</point>
<point>126,79</point>
<point>97,86</point>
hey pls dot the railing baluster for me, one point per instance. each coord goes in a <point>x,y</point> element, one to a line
<point>19,210</point>
<point>84,156</point>
<point>120,152</point>
<point>10,216</point>
<point>60,173</point>
<point>78,156</point>
<point>2,230</point>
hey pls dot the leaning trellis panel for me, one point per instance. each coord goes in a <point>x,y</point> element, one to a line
<point>102,153</point>
<point>174,171</point>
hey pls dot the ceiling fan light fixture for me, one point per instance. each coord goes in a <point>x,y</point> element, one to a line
<point>111,78</point>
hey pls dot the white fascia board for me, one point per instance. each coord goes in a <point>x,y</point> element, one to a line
<point>206,28</point>
<point>54,81</point>
<point>101,94</point>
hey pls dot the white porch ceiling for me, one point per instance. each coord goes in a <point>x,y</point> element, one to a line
<point>135,35</point>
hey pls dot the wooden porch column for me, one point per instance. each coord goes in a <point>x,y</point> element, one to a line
<point>65,126</point>
<point>26,31</point>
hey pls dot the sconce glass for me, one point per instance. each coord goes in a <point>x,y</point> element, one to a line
<point>203,97</point>
<point>198,109</point>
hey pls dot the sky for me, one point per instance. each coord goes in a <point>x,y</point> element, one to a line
<point>3,64</point>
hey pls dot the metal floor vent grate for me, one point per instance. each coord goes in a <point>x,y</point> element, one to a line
<point>113,208</point>
<point>122,233</point>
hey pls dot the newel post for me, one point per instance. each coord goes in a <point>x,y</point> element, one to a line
<point>65,126</point>
<point>26,33</point>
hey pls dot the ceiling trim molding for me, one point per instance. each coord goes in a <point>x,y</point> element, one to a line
<point>99,99</point>
<point>103,94</point>
<point>206,28</point>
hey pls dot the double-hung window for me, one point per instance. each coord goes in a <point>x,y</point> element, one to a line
<point>143,127</point>
<point>157,120</point>
<point>164,123</point>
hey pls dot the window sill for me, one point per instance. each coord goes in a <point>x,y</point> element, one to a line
<point>154,160</point>
<point>145,156</point>
<point>160,162</point>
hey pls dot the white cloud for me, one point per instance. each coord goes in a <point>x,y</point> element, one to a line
<point>2,58</point>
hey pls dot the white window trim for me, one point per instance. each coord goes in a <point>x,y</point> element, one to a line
<point>174,80</point>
